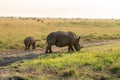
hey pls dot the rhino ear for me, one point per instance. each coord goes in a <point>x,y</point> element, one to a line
<point>79,38</point>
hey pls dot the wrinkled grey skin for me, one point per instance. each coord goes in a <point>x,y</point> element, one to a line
<point>62,39</point>
<point>28,41</point>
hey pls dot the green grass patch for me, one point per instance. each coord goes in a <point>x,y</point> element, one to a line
<point>89,64</point>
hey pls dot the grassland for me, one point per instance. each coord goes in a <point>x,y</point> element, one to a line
<point>14,30</point>
<point>92,63</point>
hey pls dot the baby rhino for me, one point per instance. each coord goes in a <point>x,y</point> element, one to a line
<point>28,41</point>
<point>62,39</point>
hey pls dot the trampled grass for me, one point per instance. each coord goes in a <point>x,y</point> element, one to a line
<point>14,30</point>
<point>90,63</point>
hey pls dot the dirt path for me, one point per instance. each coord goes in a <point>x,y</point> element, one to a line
<point>7,58</point>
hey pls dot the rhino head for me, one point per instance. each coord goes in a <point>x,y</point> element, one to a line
<point>77,45</point>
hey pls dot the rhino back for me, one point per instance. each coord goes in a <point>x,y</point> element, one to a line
<point>29,41</point>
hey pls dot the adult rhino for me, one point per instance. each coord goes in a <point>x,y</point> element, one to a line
<point>62,39</point>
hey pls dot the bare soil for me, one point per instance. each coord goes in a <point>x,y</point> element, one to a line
<point>11,56</point>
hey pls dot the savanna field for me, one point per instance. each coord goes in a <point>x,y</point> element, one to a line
<point>100,62</point>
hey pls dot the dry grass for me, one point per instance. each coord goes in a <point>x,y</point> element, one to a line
<point>14,30</point>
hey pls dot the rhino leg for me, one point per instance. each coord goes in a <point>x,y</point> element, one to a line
<point>28,47</point>
<point>70,48</point>
<point>48,49</point>
<point>25,47</point>
<point>33,46</point>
